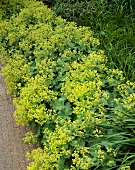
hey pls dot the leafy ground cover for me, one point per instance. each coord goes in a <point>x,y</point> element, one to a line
<point>113,22</point>
<point>83,109</point>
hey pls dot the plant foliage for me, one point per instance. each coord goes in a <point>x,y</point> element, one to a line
<point>112,22</point>
<point>83,110</point>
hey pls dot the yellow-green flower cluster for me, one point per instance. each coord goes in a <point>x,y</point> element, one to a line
<point>99,97</point>
<point>125,168</point>
<point>30,138</point>
<point>83,85</point>
<point>9,8</point>
<point>32,102</point>
<point>63,86</point>
<point>36,33</point>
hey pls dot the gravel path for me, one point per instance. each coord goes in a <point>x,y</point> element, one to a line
<point>12,148</point>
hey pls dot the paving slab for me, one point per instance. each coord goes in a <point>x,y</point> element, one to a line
<point>12,148</point>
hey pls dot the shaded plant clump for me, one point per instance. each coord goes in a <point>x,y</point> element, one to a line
<point>113,22</point>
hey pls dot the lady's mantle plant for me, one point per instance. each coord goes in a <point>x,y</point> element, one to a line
<point>82,110</point>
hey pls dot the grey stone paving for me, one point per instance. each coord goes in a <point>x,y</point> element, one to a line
<point>12,148</point>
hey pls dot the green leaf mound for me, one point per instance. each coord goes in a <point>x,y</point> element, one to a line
<point>83,111</point>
